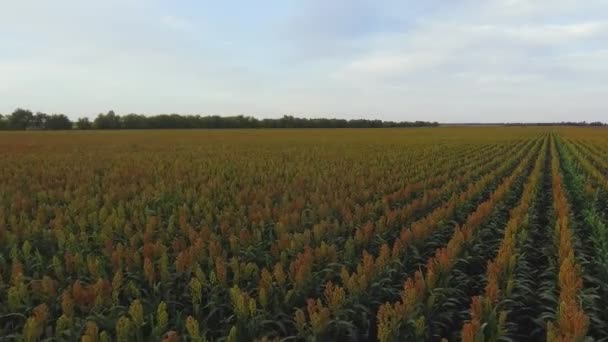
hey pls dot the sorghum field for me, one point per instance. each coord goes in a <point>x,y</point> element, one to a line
<point>472,234</point>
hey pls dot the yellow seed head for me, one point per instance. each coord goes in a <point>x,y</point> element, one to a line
<point>162,317</point>
<point>123,329</point>
<point>136,311</point>
<point>192,327</point>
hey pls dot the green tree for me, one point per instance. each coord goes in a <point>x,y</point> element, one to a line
<point>84,123</point>
<point>58,122</point>
<point>3,122</point>
<point>20,119</point>
<point>134,121</point>
<point>39,120</point>
<point>107,121</point>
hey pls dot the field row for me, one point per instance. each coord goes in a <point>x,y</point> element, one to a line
<point>472,234</point>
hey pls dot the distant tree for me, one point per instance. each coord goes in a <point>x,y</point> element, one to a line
<point>23,119</point>
<point>84,123</point>
<point>20,119</point>
<point>107,121</point>
<point>58,122</point>
<point>39,120</point>
<point>134,121</point>
<point>3,122</point>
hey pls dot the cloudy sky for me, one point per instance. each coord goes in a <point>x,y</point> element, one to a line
<point>448,61</point>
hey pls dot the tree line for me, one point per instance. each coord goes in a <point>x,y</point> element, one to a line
<point>23,119</point>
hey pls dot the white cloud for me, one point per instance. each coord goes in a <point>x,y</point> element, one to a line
<point>547,34</point>
<point>588,61</point>
<point>391,64</point>
<point>495,79</point>
<point>176,23</point>
<point>503,53</point>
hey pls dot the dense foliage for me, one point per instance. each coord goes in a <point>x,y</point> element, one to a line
<point>22,119</point>
<point>458,234</point>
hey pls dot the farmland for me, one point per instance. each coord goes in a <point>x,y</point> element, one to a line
<point>418,234</point>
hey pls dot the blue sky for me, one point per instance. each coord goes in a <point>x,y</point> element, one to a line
<point>448,61</point>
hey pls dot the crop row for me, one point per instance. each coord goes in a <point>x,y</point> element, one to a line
<point>456,234</point>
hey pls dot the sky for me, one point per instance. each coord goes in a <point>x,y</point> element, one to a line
<point>446,61</point>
